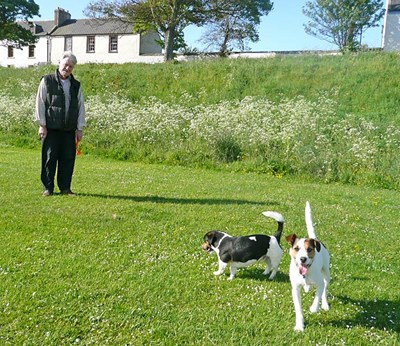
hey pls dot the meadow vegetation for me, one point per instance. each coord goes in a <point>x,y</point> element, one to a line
<point>172,151</point>
<point>330,118</point>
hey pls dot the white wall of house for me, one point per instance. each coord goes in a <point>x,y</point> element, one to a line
<point>130,49</point>
<point>21,56</point>
<point>392,31</point>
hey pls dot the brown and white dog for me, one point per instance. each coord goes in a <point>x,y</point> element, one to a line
<point>244,251</point>
<point>309,266</point>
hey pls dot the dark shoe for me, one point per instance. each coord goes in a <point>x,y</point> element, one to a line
<point>47,193</point>
<point>68,193</point>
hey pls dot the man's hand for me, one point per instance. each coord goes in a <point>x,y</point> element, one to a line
<point>42,132</point>
<point>79,135</point>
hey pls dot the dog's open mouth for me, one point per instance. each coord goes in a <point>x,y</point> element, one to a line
<point>303,269</point>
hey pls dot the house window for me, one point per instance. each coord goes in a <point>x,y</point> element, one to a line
<point>31,52</point>
<point>68,43</point>
<point>90,44</point>
<point>113,46</point>
<point>394,5</point>
<point>10,52</point>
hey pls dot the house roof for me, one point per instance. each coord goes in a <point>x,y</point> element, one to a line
<point>41,28</point>
<point>93,27</point>
<point>73,27</point>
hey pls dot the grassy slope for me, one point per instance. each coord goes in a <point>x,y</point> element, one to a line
<point>366,84</point>
<point>121,263</point>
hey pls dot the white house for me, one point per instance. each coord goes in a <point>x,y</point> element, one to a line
<point>91,40</point>
<point>391,26</point>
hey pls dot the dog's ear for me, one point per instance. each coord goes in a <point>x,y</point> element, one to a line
<point>291,239</point>
<point>317,244</point>
<point>209,237</point>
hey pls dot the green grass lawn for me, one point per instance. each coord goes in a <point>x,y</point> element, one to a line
<point>121,264</point>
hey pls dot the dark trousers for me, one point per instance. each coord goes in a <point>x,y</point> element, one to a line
<point>58,152</point>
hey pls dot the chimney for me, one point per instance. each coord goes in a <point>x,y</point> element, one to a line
<point>60,16</point>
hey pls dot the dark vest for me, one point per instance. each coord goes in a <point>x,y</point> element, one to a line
<point>56,118</point>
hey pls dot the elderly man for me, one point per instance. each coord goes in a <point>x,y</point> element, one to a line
<point>60,114</point>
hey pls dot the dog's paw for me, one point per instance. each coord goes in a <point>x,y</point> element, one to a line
<point>325,306</point>
<point>314,308</point>
<point>266,272</point>
<point>231,278</point>
<point>299,328</point>
<point>217,273</point>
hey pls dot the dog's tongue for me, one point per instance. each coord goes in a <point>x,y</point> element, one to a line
<point>303,270</point>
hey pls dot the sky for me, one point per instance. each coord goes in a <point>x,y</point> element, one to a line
<point>281,30</point>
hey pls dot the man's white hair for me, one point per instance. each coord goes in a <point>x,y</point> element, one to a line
<point>68,54</point>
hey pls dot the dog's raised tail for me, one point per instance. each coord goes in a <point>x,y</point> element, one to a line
<point>279,219</point>
<point>309,223</point>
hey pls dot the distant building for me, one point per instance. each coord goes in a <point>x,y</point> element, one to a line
<point>91,40</point>
<point>391,26</point>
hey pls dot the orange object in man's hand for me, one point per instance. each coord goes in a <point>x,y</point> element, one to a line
<point>78,152</point>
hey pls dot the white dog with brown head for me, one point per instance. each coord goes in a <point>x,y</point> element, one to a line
<point>309,266</point>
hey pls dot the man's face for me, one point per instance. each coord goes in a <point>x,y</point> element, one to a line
<point>65,68</point>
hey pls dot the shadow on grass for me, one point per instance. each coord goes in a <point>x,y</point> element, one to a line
<point>378,314</point>
<point>256,274</point>
<point>177,200</point>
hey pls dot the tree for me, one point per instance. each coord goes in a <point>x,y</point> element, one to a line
<point>167,17</point>
<point>233,23</point>
<point>342,22</point>
<point>10,31</point>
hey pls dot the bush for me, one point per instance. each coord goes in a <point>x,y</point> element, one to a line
<point>215,113</point>
<point>293,136</point>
